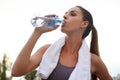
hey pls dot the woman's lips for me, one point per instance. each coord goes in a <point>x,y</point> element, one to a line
<point>64,22</point>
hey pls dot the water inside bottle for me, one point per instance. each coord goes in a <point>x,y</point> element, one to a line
<point>46,21</point>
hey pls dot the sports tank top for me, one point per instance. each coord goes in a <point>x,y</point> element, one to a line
<point>61,72</point>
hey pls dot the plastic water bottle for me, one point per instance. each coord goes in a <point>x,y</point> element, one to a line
<point>46,21</point>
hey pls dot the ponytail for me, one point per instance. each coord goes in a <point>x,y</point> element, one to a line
<point>94,49</point>
<point>94,42</point>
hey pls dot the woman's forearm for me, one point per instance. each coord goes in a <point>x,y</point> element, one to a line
<point>23,59</point>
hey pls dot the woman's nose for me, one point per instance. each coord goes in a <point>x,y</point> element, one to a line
<point>65,17</point>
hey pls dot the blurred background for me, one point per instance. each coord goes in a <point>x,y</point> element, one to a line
<point>15,26</point>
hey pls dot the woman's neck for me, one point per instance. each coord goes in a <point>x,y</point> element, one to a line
<point>72,44</point>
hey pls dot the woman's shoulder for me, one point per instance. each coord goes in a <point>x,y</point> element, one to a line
<point>99,68</point>
<point>96,60</point>
<point>41,50</point>
<point>44,48</point>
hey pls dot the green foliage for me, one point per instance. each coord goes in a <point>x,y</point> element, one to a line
<point>31,76</point>
<point>5,66</point>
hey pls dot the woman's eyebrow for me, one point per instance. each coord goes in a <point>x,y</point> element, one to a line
<point>72,11</point>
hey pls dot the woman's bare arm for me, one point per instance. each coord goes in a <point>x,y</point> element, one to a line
<point>23,59</point>
<point>24,63</point>
<point>100,69</point>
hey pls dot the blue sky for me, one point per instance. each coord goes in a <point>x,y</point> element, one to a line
<point>15,26</point>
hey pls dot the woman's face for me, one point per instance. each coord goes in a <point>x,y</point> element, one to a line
<point>73,20</point>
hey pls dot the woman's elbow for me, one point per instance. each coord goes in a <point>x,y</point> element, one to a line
<point>16,73</point>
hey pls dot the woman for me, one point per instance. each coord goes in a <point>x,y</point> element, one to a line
<point>78,24</point>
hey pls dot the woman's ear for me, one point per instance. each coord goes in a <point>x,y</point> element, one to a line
<point>85,24</point>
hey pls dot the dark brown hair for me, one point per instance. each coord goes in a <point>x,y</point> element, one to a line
<point>94,38</point>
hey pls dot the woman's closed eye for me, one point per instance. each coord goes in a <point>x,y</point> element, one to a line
<point>72,13</point>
